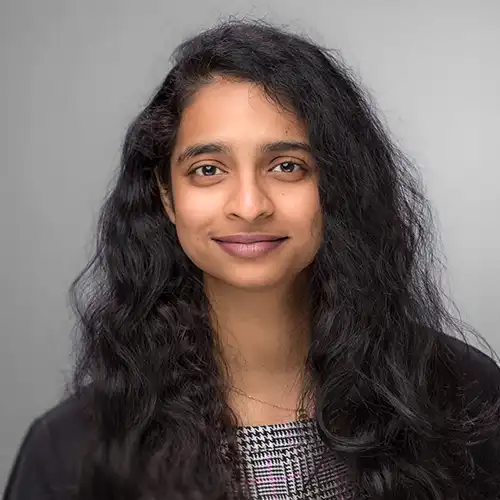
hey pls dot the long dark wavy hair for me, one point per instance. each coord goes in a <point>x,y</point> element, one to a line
<point>385,383</point>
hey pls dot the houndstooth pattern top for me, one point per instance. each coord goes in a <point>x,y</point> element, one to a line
<point>278,460</point>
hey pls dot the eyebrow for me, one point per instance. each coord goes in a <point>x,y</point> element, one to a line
<point>220,147</point>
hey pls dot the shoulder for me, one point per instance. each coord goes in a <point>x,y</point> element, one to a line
<point>479,381</point>
<point>47,462</point>
<point>69,421</point>
<point>479,373</point>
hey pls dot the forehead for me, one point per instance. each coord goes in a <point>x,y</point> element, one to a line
<point>236,111</point>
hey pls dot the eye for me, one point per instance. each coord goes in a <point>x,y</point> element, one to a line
<point>288,167</point>
<point>206,171</point>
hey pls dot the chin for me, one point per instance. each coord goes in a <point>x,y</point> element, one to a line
<point>253,280</point>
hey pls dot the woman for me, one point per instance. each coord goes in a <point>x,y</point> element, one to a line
<point>260,318</point>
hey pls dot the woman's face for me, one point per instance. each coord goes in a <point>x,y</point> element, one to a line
<point>244,184</point>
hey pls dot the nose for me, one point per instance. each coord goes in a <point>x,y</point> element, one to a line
<point>249,199</point>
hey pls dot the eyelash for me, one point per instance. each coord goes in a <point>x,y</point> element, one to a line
<point>193,172</point>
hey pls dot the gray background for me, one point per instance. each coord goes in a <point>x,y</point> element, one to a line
<point>74,73</point>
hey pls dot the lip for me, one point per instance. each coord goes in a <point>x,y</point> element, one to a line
<point>250,245</point>
<point>246,238</point>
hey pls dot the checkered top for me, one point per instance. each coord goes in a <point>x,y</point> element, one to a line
<point>279,459</point>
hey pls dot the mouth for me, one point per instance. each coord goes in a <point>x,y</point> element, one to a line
<point>250,246</point>
<point>249,238</point>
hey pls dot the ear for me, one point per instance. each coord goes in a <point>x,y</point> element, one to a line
<point>166,198</point>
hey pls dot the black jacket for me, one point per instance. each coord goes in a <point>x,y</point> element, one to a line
<point>47,462</point>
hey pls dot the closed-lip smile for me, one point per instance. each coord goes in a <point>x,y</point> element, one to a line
<point>248,238</point>
<point>250,245</point>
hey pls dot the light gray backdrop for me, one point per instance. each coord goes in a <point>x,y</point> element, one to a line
<point>74,73</point>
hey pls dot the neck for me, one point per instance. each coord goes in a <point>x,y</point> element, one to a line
<point>264,334</point>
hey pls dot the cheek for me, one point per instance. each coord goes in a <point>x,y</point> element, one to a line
<point>305,211</point>
<point>192,208</point>
<point>194,215</point>
<point>317,225</point>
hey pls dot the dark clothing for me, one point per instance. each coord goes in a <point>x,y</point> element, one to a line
<point>48,459</point>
